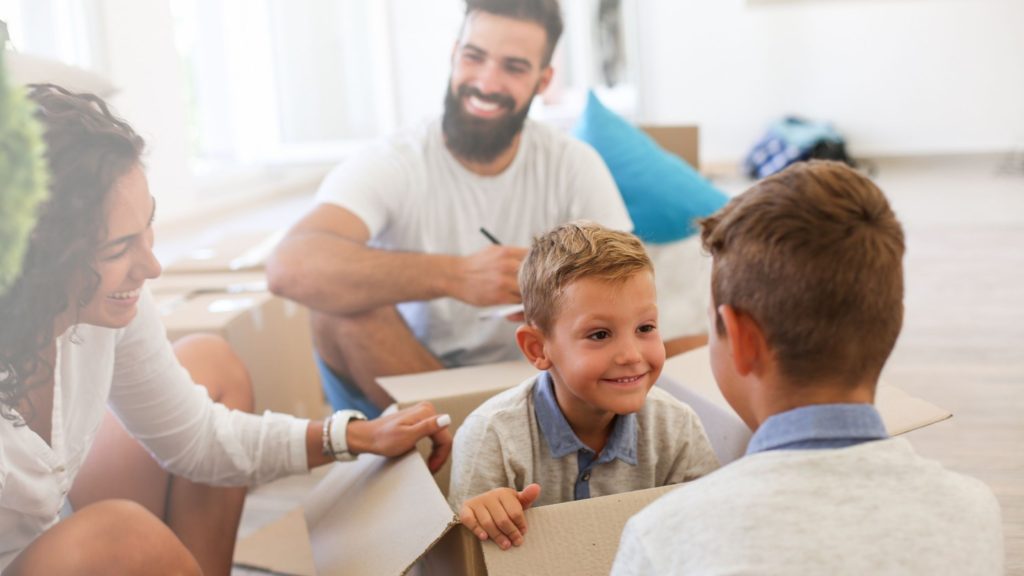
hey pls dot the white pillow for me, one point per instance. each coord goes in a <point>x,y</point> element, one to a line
<point>682,275</point>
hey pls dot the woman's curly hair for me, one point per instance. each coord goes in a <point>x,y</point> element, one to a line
<point>87,150</point>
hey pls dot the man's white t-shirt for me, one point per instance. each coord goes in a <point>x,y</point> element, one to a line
<point>413,195</point>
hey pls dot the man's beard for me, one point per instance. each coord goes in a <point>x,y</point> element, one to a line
<point>480,139</point>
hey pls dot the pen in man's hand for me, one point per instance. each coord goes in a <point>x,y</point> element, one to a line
<point>489,236</point>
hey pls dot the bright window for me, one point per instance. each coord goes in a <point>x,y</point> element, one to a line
<point>266,83</point>
<point>598,51</point>
<point>272,81</point>
<point>63,30</point>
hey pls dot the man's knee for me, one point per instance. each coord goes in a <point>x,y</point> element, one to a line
<point>212,362</point>
<point>337,329</point>
<point>328,336</point>
<point>111,536</point>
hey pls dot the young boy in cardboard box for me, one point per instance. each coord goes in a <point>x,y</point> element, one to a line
<point>590,424</point>
<point>807,303</point>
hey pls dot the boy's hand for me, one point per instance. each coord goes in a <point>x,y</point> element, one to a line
<point>398,433</point>
<point>498,514</point>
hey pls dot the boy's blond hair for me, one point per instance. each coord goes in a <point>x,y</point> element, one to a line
<point>814,255</point>
<point>579,249</point>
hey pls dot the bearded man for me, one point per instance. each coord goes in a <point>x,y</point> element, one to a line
<point>392,261</point>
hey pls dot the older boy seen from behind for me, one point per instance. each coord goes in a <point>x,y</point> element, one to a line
<point>807,303</point>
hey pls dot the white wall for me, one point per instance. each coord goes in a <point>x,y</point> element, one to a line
<point>424,33</point>
<point>141,61</point>
<point>896,76</point>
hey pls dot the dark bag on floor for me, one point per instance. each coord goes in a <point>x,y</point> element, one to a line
<point>793,139</point>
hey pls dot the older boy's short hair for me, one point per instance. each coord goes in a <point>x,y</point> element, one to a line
<point>814,255</point>
<point>579,249</point>
<point>544,12</point>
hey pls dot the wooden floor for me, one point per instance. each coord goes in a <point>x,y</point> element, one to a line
<point>962,346</point>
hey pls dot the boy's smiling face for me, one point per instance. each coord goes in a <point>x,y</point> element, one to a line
<point>604,351</point>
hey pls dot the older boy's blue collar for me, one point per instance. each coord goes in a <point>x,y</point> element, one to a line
<point>562,441</point>
<point>818,427</point>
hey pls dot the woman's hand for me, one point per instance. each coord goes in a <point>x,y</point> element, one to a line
<point>396,434</point>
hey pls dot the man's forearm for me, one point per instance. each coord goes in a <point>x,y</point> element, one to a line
<point>340,276</point>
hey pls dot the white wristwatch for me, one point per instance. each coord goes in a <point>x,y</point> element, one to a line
<point>337,429</point>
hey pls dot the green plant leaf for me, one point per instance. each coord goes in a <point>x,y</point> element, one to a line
<point>23,177</point>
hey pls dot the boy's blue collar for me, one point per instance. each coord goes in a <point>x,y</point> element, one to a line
<point>562,441</point>
<point>819,426</point>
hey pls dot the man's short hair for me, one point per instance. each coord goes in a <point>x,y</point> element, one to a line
<point>579,249</point>
<point>814,255</point>
<point>544,12</point>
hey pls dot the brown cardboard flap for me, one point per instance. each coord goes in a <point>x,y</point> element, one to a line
<point>211,312</point>
<point>455,392</point>
<point>439,385</point>
<point>689,378</point>
<point>270,334</point>
<point>902,412</point>
<point>572,538</point>
<point>212,283</point>
<point>281,547</point>
<point>683,141</point>
<point>375,516</point>
<point>456,554</point>
<point>240,250</point>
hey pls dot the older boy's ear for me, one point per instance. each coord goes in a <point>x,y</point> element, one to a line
<point>531,342</point>
<point>746,342</point>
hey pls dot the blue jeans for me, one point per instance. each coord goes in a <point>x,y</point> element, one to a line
<point>343,395</point>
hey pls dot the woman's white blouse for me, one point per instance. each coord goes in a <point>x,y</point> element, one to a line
<point>136,371</point>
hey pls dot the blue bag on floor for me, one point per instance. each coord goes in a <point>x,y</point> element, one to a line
<point>793,139</point>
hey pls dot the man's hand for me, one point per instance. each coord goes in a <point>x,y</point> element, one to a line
<point>489,277</point>
<point>397,433</point>
<point>498,514</point>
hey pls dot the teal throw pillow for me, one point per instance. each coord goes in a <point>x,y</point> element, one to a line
<point>664,194</point>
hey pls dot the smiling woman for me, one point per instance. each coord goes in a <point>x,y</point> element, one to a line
<point>163,483</point>
<point>125,260</point>
<point>67,235</point>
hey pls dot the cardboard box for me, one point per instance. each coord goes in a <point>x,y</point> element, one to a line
<point>379,516</point>
<point>238,251</point>
<point>679,140</point>
<point>282,547</point>
<point>689,378</point>
<point>190,285</point>
<point>270,334</point>
<point>455,392</point>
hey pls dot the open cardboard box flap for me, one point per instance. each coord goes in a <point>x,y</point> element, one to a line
<point>689,378</point>
<point>229,252</point>
<point>282,547</point>
<point>573,538</point>
<point>270,334</point>
<point>379,516</point>
<point>375,516</point>
<point>209,283</point>
<point>455,392</point>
